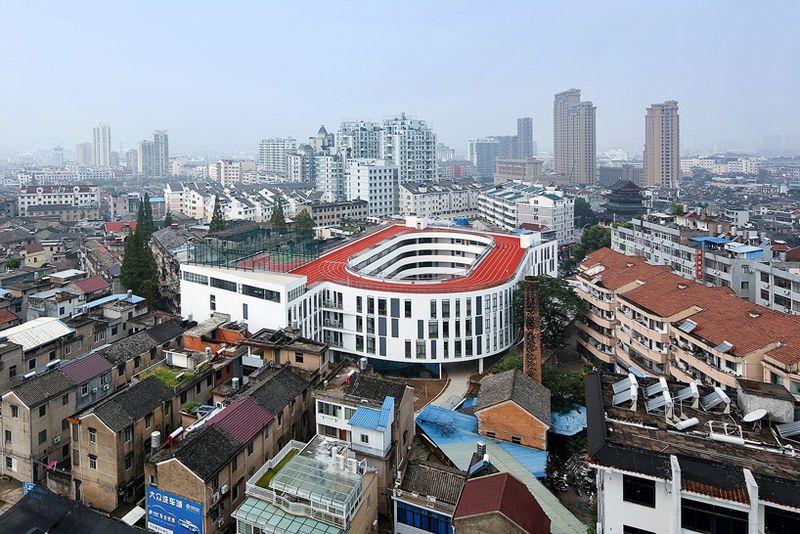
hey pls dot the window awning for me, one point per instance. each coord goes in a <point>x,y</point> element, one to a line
<point>725,346</point>
<point>688,326</point>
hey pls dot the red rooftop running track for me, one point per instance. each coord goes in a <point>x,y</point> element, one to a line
<point>496,268</point>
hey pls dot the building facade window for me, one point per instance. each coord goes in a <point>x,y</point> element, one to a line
<point>639,491</point>
<point>711,519</point>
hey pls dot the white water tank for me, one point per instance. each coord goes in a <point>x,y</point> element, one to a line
<point>235,383</point>
<point>155,440</point>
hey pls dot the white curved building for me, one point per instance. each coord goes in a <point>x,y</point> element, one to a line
<point>401,295</point>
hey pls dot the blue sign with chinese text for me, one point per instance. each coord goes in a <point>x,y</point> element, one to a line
<point>170,514</point>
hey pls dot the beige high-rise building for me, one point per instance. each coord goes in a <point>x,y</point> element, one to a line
<point>102,145</point>
<point>662,163</point>
<point>574,138</point>
<point>84,154</point>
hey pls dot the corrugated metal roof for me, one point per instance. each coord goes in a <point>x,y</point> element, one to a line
<point>366,418</point>
<point>83,369</point>
<point>242,420</point>
<point>134,299</point>
<point>37,332</point>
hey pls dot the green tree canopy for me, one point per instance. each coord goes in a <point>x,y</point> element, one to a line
<point>558,307</point>
<point>144,219</point>
<point>583,213</point>
<point>304,226</point>
<point>593,238</point>
<point>139,271</point>
<point>168,219</point>
<point>278,219</point>
<point>676,208</point>
<point>217,221</point>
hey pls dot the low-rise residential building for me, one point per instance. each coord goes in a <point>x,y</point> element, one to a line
<point>664,325</point>
<point>318,487</point>
<point>499,503</point>
<point>80,196</point>
<point>670,458</point>
<point>440,199</point>
<point>374,415</point>
<point>525,170</point>
<point>43,341</point>
<point>287,346</point>
<point>111,440</point>
<point>426,498</point>
<point>512,204</point>
<point>207,466</point>
<point>327,214</point>
<point>35,414</point>
<point>514,407</point>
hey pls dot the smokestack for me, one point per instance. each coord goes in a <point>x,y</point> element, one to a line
<point>532,331</point>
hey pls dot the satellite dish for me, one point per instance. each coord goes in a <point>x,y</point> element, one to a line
<point>755,415</point>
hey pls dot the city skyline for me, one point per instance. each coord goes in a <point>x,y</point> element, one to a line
<point>652,63</point>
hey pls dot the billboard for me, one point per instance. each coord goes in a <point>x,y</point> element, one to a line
<point>170,514</point>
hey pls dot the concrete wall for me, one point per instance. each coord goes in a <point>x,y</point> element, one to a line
<point>495,522</point>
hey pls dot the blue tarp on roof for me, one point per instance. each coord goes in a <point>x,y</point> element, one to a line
<point>365,418</point>
<point>134,299</point>
<point>469,403</point>
<point>451,430</point>
<point>570,423</point>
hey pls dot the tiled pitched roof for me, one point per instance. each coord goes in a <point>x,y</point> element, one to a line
<point>138,400</point>
<point>92,285</point>
<point>275,393</point>
<point>428,479</point>
<point>505,494</point>
<point>374,388</point>
<point>667,294</point>
<point>166,331</point>
<point>204,451</point>
<point>7,316</point>
<point>242,420</point>
<point>129,347</point>
<point>619,269</point>
<point>513,385</point>
<point>37,390</point>
<point>118,226</point>
<point>83,369</point>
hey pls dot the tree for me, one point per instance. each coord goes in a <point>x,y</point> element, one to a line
<point>13,263</point>
<point>583,213</point>
<point>217,221</point>
<point>139,271</point>
<point>304,226</point>
<point>676,208</point>
<point>278,220</point>
<point>144,219</point>
<point>168,220</point>
<point>565,387</point>
<point>593,238</point>
<point>558,307</point>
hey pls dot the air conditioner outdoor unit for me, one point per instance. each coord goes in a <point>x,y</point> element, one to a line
<point>56,440</point>
<point>215,496</point>
<point>224,489</point>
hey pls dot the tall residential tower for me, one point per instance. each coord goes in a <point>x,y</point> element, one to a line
<point>525,138</point>
<point>662,164</point>
<point>102,145</point>
<point>574,138</point>
<point>153,156</point>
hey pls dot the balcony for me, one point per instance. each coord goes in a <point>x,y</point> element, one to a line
<point>625,361</point>
<point>646,331</point>
<point>594,317</point>
<point>631,338</point>
<point>705,365</point>
<point>595,351</point>
<point>599,336</point>
<point>332,305</point>
<point>607,305</point>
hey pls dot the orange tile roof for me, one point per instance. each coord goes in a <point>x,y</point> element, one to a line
<point>721,315</point>
<point>620,269</point>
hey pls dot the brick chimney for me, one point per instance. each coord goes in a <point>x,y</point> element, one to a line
<point>532,331</point>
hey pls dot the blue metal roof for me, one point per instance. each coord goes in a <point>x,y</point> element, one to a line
<point>743,249</point>
<point>372,419</point>
<point>366,418</point>
<point>134,299</point>
<point>569,423</point>
<point>710,239</point>
<point>386,413</point>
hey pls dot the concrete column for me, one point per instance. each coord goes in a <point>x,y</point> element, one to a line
<point>676,495</point>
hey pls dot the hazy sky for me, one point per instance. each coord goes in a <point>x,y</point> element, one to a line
<point>221,75</point>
